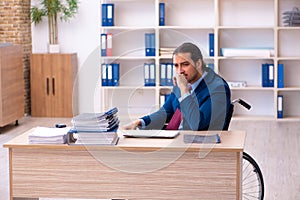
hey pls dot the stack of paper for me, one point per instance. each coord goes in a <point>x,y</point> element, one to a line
<point>45,135</point>
<point>247,52</point>
<point>95,128</point>
<point>96,122</point>
<point>166,51</point>
<point>292,18</point>
<point>95,138</point>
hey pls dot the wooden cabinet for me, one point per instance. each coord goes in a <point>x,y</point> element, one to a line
<point>11,84</point>
<point>53,87</point>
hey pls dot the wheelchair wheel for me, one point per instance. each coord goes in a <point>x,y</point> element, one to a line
<point>252,183</point>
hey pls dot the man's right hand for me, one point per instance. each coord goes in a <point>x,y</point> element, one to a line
<point>133,125</point>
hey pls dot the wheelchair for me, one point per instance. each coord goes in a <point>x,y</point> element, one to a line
<point>252,178</point>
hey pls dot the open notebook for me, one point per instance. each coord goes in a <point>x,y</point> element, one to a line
<point>149,133</point>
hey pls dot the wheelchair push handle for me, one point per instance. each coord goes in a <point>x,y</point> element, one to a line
<point>242,102</point>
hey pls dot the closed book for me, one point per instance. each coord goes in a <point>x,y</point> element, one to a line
<point>280,83</point>
<point>280,106</point>
<point>161,14</point>
<point>109,44</point>
<point>211,44</point>
<point>103,44</point>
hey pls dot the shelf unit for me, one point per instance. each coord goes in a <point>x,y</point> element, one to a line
<point>234,23</point>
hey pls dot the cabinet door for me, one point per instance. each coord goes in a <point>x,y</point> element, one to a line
<point>52,84</point>
<point>62,85</point>
<point>40,85</point>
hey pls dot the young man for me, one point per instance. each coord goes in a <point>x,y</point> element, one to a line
<point>202,97</point>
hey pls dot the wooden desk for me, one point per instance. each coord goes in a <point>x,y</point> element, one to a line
<point>134,169</point>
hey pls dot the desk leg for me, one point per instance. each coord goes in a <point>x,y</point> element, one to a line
<point>10,174</point>
<point>239,175</point>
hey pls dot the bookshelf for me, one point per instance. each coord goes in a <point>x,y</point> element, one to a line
<point>235,24</point>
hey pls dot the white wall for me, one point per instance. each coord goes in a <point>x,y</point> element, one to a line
<point>80,35</point>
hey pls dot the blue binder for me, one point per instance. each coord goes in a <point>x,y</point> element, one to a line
<point>271,75</point>
<point>280,76</point>
<point>103,44</point>
<point>163,73</point>
<point>265,75</point>
<point>211,44</point>
<point>146,74</point>
<point>161,14</point>
<point>104,14</point>
<point>104,74</point>
<point>152,74</point>
<point>280,106</point>
<point>147,44</point>
<point>110,14</point>
<point>109,75</point>
<point>115,74</point>
<point>150,44</point>
<point>169,75</point>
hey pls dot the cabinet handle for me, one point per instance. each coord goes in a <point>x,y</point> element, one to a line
<point>53,86</point>
<point>47,86</point>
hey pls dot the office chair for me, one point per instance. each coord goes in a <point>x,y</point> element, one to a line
<point>252,178</point>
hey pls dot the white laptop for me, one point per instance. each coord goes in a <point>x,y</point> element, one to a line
<point>149,133</point>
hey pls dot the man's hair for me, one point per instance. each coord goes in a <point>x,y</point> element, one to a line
<point>192,49</point>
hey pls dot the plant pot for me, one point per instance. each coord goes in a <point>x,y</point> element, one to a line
<point>53,48</point>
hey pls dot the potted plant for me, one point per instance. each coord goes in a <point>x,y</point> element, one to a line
<point>52,9</point>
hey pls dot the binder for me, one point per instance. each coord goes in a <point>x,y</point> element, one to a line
<point>211,44</point>
<point>280,83</point>
<point>110,14</point>
<point>152,74</point>
<point>265,74</point>
<point>109,75</point>
<point>169,74</point>
<point>104,14</point>
<point>271,75</point>
<point>104,75</point>
<point>150,44</point>
<point>147,44</point>
<point>103,44</point>
<point>163,70</point>
<point>146,74</point>
<point>109,44</point>
<point>161,14</point>
<point>280,106</point>
<point>115,74</point>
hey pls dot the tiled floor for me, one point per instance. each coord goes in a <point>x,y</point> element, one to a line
<point>274,145</point>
